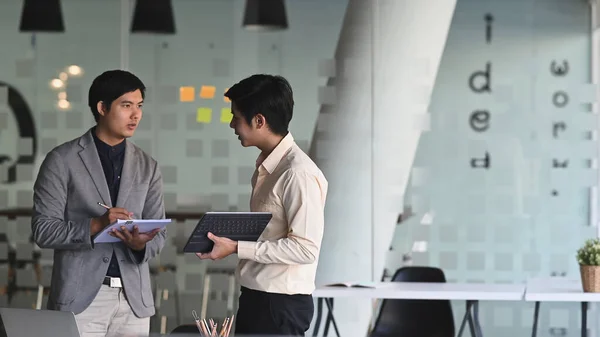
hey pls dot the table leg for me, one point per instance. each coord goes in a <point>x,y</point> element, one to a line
<point>536,315</point>
<point>330,318</point>
<point>476,319</point>
<point>584,310</point>
<point>465,318</point>
<point>470,318</point>
<point>318,318</point>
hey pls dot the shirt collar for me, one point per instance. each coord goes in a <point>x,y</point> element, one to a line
<point>273,159</point>
<point>105,148</point>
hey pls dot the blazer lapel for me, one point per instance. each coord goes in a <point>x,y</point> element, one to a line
<point>128,174</point>
<point>91,161</point>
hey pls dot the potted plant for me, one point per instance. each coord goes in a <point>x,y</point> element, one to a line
<point>588,258</point>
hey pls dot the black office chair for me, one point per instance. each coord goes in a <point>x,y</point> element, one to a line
<point>415,318</point>
<point>188,329</point>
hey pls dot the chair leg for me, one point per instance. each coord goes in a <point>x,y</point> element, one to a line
<point>40,297</point>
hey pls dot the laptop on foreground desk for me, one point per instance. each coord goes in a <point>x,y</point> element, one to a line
<point>32,323</point>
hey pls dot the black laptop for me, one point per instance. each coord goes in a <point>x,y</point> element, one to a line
<point>238,226</point>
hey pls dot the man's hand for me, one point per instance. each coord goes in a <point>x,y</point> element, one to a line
<point>111,216</point>
<point>223,247</point>
<point>134,239</point>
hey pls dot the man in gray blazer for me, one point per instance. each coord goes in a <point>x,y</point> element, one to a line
<point>83,186</point>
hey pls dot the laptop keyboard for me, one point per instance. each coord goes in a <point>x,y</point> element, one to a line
<point>237,225</point>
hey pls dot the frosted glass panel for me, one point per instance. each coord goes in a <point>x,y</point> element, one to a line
<point>508,154</point>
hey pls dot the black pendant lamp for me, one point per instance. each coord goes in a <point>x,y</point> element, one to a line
<point>41,16</point>
<point>265,15</point>
<point>153,16</point>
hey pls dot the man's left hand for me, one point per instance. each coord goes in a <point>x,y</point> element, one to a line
<point>222,248</point>
<point>134,239</point>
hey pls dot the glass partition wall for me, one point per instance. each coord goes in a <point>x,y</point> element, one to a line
<point>466,140</point>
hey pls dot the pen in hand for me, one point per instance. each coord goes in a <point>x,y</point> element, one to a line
<point>107,207</point>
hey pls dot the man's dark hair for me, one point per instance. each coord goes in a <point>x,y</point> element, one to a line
<point>111,85</point>
<point>268,95</point>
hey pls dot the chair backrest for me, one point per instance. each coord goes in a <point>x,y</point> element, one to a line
<point>415,318</point>
<point>30,322</point>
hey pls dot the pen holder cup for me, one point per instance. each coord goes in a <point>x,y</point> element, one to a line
<point>590,278</point>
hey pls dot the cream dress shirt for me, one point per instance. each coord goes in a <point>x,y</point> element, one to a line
<point>284,260</point>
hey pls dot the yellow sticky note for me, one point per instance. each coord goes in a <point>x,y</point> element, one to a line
<point>226,115</point>
<point>225,98</point>
<point>204,115</point>
<point>186,94</point>
<point>207,91</point>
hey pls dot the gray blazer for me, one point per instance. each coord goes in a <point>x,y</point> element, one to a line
<point>69,185</point>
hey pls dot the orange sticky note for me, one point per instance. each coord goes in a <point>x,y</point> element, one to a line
<point>226,115</point>
<point>207,91</point>
<point>186,94</point>
<point>204,115</point>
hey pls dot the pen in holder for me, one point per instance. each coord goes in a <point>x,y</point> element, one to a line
<point>211,328</point>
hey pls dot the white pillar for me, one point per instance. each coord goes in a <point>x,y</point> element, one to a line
<point>387,59</point>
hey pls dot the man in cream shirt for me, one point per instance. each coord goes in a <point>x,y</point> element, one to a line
<point>277,274</point>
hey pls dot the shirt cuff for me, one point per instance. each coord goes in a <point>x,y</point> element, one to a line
<point>246,250</point>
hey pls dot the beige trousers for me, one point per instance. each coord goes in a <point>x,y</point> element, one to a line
<point>110,315</point>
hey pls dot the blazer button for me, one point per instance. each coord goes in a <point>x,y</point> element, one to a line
<point>105,259</point>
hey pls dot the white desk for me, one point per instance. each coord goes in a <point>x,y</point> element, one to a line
<point>429,291</point>
<point>559,290</point>
<point>472,293</point>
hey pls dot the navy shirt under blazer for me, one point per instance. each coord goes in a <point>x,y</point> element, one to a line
<point>111,158</point>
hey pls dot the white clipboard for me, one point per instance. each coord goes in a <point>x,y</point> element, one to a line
<point>146,225</point>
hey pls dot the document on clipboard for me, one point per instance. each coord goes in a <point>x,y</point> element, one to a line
<point>146,225</point>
